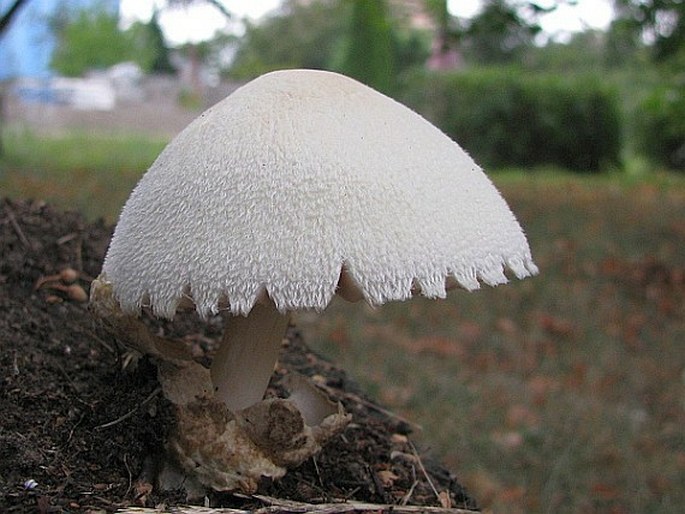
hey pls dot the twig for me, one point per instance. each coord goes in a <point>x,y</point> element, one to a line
<point>131,412</point>
<point>130,476</point>
<point>318,473</point>
<point>79,254</point>
<point>287,506</point>
<point>73,386</point>
<point>73,429</point>
<point>366,403</point>
<point>20,233</point>
<point>276,506</point>
<point>99,340</point>
<point>15,364</point>
<point>350,494</point>
<point>406,497</point>
<point>380,488</point>
<point>423,470</point>
<point>65,239</point>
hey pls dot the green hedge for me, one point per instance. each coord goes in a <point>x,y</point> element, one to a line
<point>660,126</point>
<point>512,118</point>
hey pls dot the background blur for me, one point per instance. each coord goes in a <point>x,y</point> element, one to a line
<point>562,393</point>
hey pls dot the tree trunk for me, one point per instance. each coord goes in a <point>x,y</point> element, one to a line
<point>11,12</point>
<point>2,117</point>
<point>5,20</point>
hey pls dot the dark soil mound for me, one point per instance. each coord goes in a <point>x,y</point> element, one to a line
<point>77,432</point>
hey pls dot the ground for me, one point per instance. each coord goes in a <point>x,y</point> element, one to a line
<point>80,433</point>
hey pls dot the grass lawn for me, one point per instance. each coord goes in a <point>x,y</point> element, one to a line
<point>561,393</point>
<point>90,173</point>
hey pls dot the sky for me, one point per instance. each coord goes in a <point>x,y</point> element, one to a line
<point>199,23</point>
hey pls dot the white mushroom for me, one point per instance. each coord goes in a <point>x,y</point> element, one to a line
<point>299,185</point>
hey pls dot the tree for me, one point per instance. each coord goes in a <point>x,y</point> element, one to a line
<point>444,52</point>
<point>7,17</point>
<point>584,52</point>
<point>90,39</point>
<point>657,29</point>
<point>5,20</point>
<point>300,35</point>
<point>500,32</point>
<point>658,23</point>
<point>148,39</point>
<point>214,3</point>
<point>317,35</point>
<point>368,52</point>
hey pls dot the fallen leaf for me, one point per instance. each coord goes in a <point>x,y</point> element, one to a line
<point>556,326</point>
<point>507,326</point>
<point>387,477</point>
<point>605,491</point>
<point>519,415</point>
<point>445,500</point>
<point>540,387</point>
<point>399,439</point>
<point>509,440</point>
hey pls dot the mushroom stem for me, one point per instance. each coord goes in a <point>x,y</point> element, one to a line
<point>245,360</point>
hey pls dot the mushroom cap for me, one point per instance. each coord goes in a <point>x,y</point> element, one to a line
<point>294,178</point>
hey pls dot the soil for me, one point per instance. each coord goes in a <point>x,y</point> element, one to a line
<point>78,432</point>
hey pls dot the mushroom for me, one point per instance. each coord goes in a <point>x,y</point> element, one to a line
<point>66,276</point>
<point>299,186</point>
<point>64,282</point>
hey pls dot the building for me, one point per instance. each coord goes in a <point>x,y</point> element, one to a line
<point>26,46</point>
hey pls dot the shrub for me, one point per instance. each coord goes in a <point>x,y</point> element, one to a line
<point>505,117</point>
<point>660,126</point>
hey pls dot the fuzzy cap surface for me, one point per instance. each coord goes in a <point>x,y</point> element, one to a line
<point>295,175</point>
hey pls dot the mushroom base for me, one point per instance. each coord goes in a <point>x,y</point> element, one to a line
<point>233,451</point>
<point>213,446</point>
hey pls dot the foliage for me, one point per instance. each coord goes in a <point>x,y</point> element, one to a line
<point>661,125</point>
<point>502,32</point>
<point>150,38</point>
<point>217,4</point>
<point>584,52</point>
<point>411,49</point>
<point>448,30</point>
<point>506,117</point>
<point>90,38</point>
<point>659,23</point>
<point>498,34</point>
<point>317,35</point>
<point>622,45</point>
<point>301,36</point>
<point>368,48</point>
